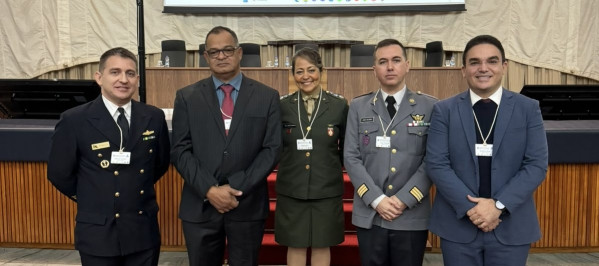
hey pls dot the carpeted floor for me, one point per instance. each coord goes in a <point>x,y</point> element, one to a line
<point>52,257</point>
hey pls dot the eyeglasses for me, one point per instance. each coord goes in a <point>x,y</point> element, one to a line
<point>229,51</point>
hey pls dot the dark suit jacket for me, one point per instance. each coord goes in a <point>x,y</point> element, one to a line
<point>518,167</point>
<point>324,178</point>
<point>205,156</point>
<point>83,141</point>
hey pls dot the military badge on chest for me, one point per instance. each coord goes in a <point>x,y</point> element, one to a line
<point>330,130</point>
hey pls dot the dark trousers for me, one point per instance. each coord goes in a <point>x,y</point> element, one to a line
<point>379,246</point>
<point>206,242</point>
<point>148,257</point>
<point>485,250</point>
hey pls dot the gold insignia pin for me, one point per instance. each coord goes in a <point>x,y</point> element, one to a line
<point>417,117</point>
<point>101,145</point>
<point>148,132</point>
<point>412,101</point>
<point>104,163</point>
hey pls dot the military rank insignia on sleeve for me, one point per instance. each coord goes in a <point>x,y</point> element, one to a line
<point>417,194</point>
<point>362,190</point>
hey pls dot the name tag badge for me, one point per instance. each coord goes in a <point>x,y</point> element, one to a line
<point>304,144</point>
<point>120,157</point>
<point>383,142</point>
<point>485,150</point>
<point>227,124</point>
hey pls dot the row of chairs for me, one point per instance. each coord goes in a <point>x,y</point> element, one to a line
<point>361,55</point>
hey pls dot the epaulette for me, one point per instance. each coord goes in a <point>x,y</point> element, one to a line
<point>363,95</point>
<point>285,96</point>
<point>334,95</point>
<point>430,96</point>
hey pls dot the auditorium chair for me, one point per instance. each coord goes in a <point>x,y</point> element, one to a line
<point>434,54</point>
<point>251,55</point>
<point>361,55</point>
<point>203,62</point>
<point>175,50</point>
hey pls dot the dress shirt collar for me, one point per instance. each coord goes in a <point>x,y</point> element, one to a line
<point>112,109</point>
<point>398,96</point>
<point>235,82</point>
<point>495,97</point>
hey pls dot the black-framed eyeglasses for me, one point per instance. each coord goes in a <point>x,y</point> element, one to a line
<point>229,51</point>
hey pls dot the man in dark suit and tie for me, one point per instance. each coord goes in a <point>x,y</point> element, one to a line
<point>226,141</point>
<point>107,155</point>
<point>486,154</point>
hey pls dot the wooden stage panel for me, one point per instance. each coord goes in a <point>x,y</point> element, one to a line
<point>441,82</point>
<point>34,214</point>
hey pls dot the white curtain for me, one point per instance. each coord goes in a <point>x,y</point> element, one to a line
<point>37,36</point>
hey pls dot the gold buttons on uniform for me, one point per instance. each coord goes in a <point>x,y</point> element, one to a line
<point>390,187</point>
<point>141,171</point>
<point>307,154</point>
<point>99,155</point>
<point>116,172</point>
<point>307,167</point>
<point>151,150</point>
<point>393,169</point>
<point>141,192</point>
<point>140,212</point>
<point>394,151</point>
<point>393,132</point>
<point>117,215</point>
<point>117,194</point>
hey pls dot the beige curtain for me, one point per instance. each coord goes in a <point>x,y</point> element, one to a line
<point>38,36</point>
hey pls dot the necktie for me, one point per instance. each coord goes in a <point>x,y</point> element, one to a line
<point>484,110</point>
<point>123,124</point>
<point>309,104</point>
<point>227,105</point>
<point>391,105</point>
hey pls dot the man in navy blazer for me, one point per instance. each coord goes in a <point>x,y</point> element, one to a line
<point>107,155</point>
<point>486,154</point>
<point>224,154</point>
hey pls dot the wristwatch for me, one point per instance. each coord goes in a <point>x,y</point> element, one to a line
<point>499,206</point>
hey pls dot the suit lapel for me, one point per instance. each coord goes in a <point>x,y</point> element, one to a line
<point>406,108</point>
<point>379,108</point>
<point>324,105</point>
<point>101,119</point>
<point>506,108</point>
<point>243,98</point>
<point>467,118</point>
<point>139,123</point>
<point>206,93</point>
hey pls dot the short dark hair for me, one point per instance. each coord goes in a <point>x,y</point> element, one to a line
<point>220,29</point>
<point>119,51</point>
<point>389,42</point>
<point>310,55</point>
<point>482,39</point>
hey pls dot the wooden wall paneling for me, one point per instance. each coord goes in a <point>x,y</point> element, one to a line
<point>276,78</point>
<point>34,213</point>
<point>593,210</point>
<point>358,81</point>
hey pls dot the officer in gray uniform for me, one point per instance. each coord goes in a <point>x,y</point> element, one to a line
<point>384,150</point>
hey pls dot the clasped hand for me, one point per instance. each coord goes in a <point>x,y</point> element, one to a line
<point>484,215</point>
<point>223,198</point>
<point>390,208</point>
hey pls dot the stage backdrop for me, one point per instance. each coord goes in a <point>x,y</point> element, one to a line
<point>37,36</point>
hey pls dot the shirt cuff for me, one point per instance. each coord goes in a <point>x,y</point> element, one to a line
<point>376,201</point>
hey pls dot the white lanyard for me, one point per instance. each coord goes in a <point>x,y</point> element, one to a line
<point>380,119</point>
<point>313,115</point>
<point>226,115</point>
<point>490,129</point>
